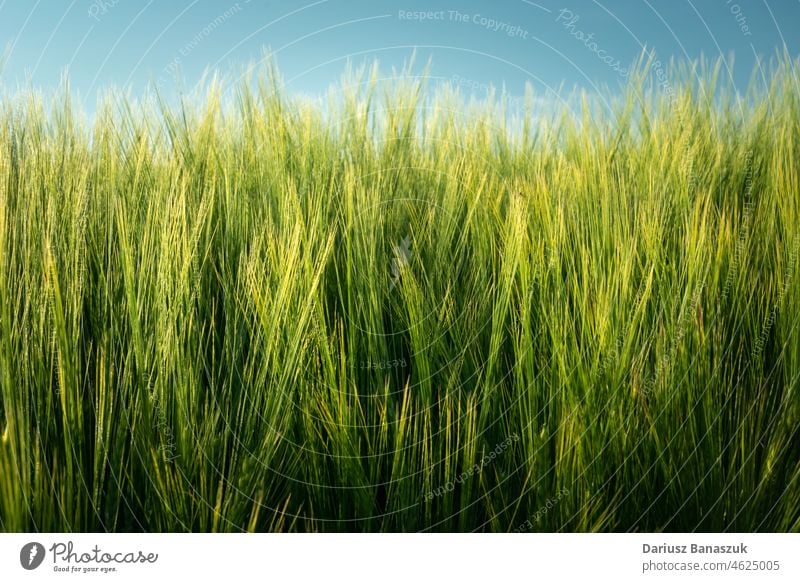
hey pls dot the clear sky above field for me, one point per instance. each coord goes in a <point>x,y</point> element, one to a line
<point>473,44</point>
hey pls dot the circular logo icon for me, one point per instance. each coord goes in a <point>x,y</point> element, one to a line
<point>398,242</point>
<point>31,555</point>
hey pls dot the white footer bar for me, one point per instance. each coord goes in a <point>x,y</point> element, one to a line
<point>416,557</point>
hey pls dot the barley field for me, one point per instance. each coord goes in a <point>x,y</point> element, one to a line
<point>402,311</point>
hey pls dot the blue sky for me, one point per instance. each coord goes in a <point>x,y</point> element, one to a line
<point>472,44</point>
